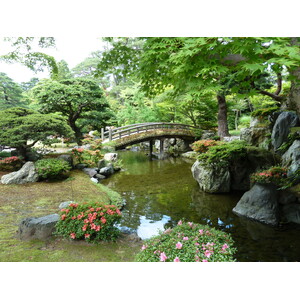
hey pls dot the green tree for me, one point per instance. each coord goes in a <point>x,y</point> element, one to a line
<point>10,93</point>
<point>22,128</point>
<point>23,51</point>
<point>77,99</point>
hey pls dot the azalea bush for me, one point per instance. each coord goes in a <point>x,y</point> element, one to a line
<point>188,242</point>
<point>89,157</point>
<point>274,175</point>
<point>11,163</point>
<point>202,146</point>
<point>52,168</point>
<point>90,221</point>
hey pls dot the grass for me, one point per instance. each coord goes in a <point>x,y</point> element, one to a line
<point>42,198</point>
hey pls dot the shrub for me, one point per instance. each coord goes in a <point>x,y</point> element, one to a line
<point>202,146</point>
<point>188,242</point>
<point>11,163</point>
<point>89,157</point>
<point>264,112</point>
<point>274,175</point>
<point>52,168</point>
<point>90,221</point>
<point>244,121</point>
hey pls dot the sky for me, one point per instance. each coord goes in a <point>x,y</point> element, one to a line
<point>69,48</point>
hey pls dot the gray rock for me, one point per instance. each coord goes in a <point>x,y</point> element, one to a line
<point>38,228</point>
<point>190,154</point>
<point>90,171</point>
<point>65,204</point>
<point>208,134</point>
<point>107,171</point>
<point>291,213</point>
<point>281,129</point>
<point>291,157</point>
<point>80,166</point>
<point>211,179</point>
<point>260,204</point>
<point>286,197</point>
<point>101,164</point>
<point>99,176</point>
<point>68,158</point>
<point>26,174</point>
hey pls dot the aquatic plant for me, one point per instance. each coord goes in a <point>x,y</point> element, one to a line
<point>188,242</point>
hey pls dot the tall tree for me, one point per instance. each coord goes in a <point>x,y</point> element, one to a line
<point>10,92</point>
<point>77,98</point>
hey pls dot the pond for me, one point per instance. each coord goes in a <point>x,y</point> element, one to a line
<point>159,193</point>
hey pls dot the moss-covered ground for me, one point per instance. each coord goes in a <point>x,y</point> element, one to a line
<point>42,198</point>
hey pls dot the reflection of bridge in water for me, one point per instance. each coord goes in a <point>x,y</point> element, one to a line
<point>136,133</point>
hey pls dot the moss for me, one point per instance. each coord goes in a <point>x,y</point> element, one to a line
<point>18,202</point>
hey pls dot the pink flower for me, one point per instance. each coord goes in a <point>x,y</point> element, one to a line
<point>144,247</point>
<point>87,235</point>
<point>185,238</point>
<point>204,260</point>
<point>197,244</point>
<point>72,235</point>
<point>163,256</point>
<point>176,259</point>
<point>179,223</point>
<point>178,245</point>
<point>207,253</point>
<point>190,224</point>
<point>201,231</point>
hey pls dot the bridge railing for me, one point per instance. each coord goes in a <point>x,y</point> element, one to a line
<point>118,133</point>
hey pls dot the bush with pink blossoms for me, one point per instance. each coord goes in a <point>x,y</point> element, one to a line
<point>188,242</point>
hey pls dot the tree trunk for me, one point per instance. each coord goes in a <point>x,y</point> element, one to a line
<point>77,133</point>
<point>222,117</point>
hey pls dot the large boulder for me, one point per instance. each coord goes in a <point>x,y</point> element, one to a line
<point>291,213</point>
<point>90,171</point>
<point>291,157</point>
<point>282,126</point>
<point>211,180</point>
<point>68,158</point>
<point>107,171</point>
<point>26,174</point>
<point>38,228</point>
<point>260,204</point>
<point>111,156</point>
<point>256,136</point>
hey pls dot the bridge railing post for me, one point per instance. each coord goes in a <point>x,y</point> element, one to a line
<point>109,134</point>
<point>102,134</point>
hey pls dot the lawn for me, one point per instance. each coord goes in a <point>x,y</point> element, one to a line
<point>42,198</point>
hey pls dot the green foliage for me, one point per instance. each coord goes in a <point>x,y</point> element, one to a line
<point>275,175</point>
<point>264,112</point>
<point>22,128</point>
<point>244,121</point>
<point>10,93</point>
<point>89,157</point>
<point>224,153</point>
<point>80,100</point>
<point>52,168</point>
<point>293,135</point>
<point>91,221</point>
<point>188,242</point>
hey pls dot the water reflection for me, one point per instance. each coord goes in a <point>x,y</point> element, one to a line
<point>160,193</point>
<point>149,228</point>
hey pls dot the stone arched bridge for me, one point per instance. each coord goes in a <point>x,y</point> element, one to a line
<point>136,133</point>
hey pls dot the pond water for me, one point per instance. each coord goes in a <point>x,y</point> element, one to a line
<point>159,193</point>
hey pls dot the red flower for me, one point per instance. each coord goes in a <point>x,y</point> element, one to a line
<point>103,220</point>
<point>63,217</point>
<point>87,235</point>
<point>73,235</point>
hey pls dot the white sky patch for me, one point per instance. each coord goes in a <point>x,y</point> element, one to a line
<point>72,49</point>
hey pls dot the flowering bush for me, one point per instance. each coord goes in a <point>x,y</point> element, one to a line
<point>275,175</point>
<point>10,163</point>
<point>90,221</point>
<point>52,168</point>
<point>89,157</point>
<point>188,242</point>
<point>96,144</point>
<point>202,146</point>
